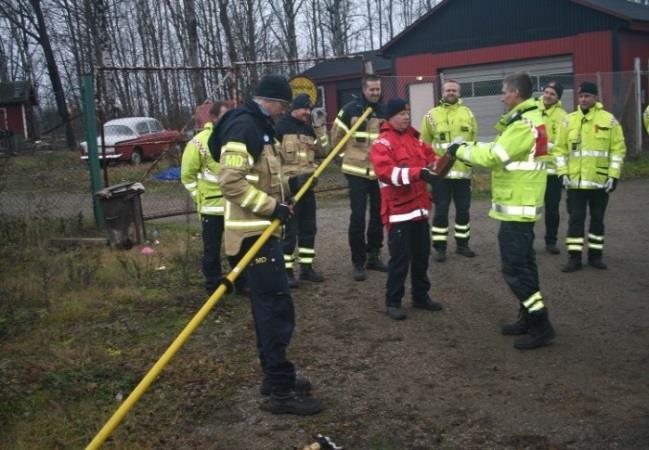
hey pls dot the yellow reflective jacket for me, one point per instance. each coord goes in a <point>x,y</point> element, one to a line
<point>198,173</point>
<point>552,117</point>
<point>590,148</point>
<point>442,124</point>
<point>518,179</point>
<point>356,151</point>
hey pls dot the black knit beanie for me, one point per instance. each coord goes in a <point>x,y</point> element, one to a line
<point>274,87</point>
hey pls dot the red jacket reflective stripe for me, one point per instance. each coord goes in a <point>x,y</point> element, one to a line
<point>398,158</point>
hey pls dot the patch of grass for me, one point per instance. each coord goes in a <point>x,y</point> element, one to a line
<point>80,328</point>
<point>637,167</point>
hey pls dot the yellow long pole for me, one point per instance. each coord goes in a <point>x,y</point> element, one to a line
<point>152,374</point>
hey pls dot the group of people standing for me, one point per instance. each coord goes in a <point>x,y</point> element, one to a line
<point>244,169</point>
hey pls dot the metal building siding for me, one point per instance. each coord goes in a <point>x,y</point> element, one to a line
<point>633,45</point>
<point>591,52</point>
<point>469,24</point>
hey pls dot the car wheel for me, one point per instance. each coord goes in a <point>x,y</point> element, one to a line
<point>136,157</point>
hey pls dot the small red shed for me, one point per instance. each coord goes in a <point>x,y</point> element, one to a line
<point>17,102</point>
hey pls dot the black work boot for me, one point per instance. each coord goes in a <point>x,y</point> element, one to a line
<point>359,273</point>
<point>440,254</point>
<point>552,249</point>
<point>428,304</point>
<point>289,402</point>
<point>539,333</point>
<point>574,264</point>
<point>308,274</point>
<point>292,281</point>
<point>465,251</point>
<point>374,262</point>
<point>519,327</point>
<point>302,386</point>
<point>396,313</point>
<point>596,261</point>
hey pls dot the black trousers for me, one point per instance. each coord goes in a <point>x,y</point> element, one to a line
<point>212,237</point>
<point>409,244</point>
<point>272,311</point>
<point>301,229</point>
<point>595,201</point>
<point>458,190</point>
<point>516,241</point>
<point>362,190</point>
<point>552,200</point>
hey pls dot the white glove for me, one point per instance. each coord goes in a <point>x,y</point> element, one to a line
<point>610,185</point>
<point>565,181</point>
<point>318,117</point>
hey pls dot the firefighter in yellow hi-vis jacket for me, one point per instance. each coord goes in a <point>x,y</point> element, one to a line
<point>299,144</point>
<point>589,154</point>
<point>256,192</point>
<point>363,185</point>
<point>198,174</point>
<point>450,120</point>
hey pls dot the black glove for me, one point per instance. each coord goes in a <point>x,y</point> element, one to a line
<point>610,185</point>
<point>296,182</point>
<point>283,212</point>
<point>428,176</point>
<point>452,149</point>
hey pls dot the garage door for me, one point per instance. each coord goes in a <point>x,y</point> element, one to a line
<point>481,86</point>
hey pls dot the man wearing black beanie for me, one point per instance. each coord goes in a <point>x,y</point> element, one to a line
<point>589,154</point>
<point>550,106</point>
<point>254,188</point>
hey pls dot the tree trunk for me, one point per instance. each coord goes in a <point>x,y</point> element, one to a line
<point>53,72</point>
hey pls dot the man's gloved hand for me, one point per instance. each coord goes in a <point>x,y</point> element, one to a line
<point>610,185</point>
<point>296,182</point>
<point>565,181</point>
<point>452,149</point>
<point>428,176</point>
<point>283,212</point>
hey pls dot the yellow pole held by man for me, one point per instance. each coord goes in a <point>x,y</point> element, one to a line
<point>153,373</point>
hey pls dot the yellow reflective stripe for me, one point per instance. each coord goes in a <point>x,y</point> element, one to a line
<point>595,246</point>
<point>525,211</point>
<point>462,227</point>
<point>439,230</point>
<point>534,302</point>
<point>458,174</point>
<point>575,247</point>
<point>306,260</point>
<point>366,134</point>
<point>208,176</point>
<point>439,238</point>
<point>212,209</point>
<point>595,237</point>
<point>251,225</point>
<point>190,186</point>
<point>592,153</point>
<point>305,251</point>
<point>341,124</point>
<point>288,264</point>
<point>525,166</point>
<point>617,158</point>
<point>253,178</point>
<point>462,235</point>
<point>193,193</point>
<point>249,196</point>
<point>261,198</point>
<point>574,240</point>
<point>358,170</point>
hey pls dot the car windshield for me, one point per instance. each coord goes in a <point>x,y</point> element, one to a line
<point>155,126</point>
<point>118,130</point>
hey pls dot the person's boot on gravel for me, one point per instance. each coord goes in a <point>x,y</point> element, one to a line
<point>428,304</point>
<point>287,401</point>
<point>292,281</point>
<point>359,273</point>
<point>307,273</point>
<point>302,386</point>
<point>574,264</point>
<point>374,262</point>
<point>519,327</point>
<point>540,331</point>
<point>396,313</point>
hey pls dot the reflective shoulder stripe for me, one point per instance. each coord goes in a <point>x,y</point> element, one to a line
<point>190,186</point>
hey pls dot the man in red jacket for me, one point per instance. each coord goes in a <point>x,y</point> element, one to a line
<point>401,161</point>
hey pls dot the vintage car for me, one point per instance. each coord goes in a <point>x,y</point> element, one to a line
<point>134,139</point>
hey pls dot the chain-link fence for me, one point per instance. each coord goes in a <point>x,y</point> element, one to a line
<point>148,114</point>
